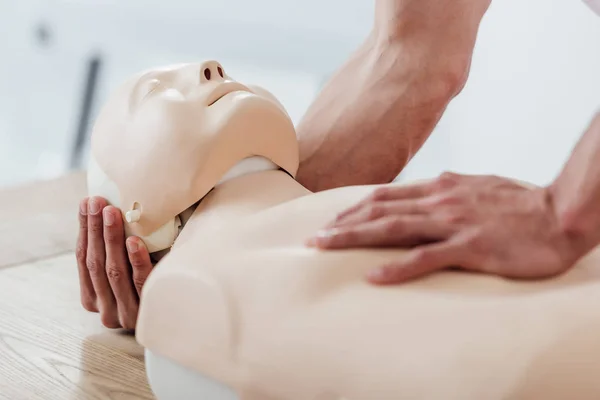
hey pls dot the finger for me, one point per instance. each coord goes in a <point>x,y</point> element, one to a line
<point>397,192</point>
<point>373,211</point>
<point>418,262</point>
<point>96,262</point>
<point>388,193</point>
<point>389,231</point>
<point>118,269</point>
<point>86,288</point>
<point>140,262</point>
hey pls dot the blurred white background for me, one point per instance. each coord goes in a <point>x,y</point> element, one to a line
<point>534,84</point>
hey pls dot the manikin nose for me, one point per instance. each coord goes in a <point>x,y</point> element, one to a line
<point>211,71</point>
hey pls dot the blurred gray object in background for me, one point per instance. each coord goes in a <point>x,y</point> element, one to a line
<point>533,89</point>
<point>61,59</point>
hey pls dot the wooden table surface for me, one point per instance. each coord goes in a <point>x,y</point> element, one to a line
<point>50,347</point>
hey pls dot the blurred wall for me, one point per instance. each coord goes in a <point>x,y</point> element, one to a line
<point>533,89</point>
<point>55,52</point>
<point>534,83</point>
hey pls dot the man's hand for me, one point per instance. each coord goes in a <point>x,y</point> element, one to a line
<point>479,223</point>
<point>110,276</point>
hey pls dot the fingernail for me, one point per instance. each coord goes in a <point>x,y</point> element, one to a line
<point>378,274</point>
<point>93,206</point>
<point>108,217</point>
<point>327,233</point>
<point>132,246</point>
<point>322,237</point>
<point>83,208</point>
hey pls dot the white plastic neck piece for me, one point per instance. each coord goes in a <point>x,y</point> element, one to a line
<point>247,166</point>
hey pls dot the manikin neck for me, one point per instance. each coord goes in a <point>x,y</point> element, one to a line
<point>239,197</point>
<point>251,193</point>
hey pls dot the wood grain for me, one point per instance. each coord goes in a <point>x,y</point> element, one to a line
<point>51,348</point>
<point>39,219</point>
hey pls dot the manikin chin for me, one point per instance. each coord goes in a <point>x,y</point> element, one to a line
<point>203,170</point>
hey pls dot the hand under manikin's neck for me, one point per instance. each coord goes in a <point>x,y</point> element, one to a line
<point>238,197</point>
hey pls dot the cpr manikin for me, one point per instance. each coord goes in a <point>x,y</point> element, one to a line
<point>241,308</point>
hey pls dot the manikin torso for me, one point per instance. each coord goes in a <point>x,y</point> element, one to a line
<point>241,299</point>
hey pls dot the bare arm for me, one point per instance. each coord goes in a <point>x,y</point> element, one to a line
<point>381,106</point>
<point>576,191</point>
<point>481,223</point>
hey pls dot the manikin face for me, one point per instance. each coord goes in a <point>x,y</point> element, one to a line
<point>167,136</point>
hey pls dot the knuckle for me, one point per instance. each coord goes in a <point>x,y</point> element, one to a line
<point>114,271</point>
<point>138,282</point>
<point>95,227</point>
<point>455,218</point>
<point>449,175</point>
<point>81,253</point>
<point>443,200</point>
<point>93,265</point>
<point>379,194</point>
<point>374,211</point>
<point>458,219</point>
<point>393,226</point>
<point>450,199</point>
<point>112,236</point>
<point>137,261</point>
<point>474,240</point>
<point>446,180</point>
<point>429,204</point>
<point>421,256</point>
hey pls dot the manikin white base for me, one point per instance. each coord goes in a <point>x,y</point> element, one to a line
<point>171,381</point>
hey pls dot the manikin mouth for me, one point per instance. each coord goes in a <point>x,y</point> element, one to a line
<point>218,98</point>
<point>224,89</point>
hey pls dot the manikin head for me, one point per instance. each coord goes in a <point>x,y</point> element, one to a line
<point>167,136</point>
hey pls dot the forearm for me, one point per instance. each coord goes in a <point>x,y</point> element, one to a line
<point>369,120</point>
<point>381,106</point>
<point>576,191</point>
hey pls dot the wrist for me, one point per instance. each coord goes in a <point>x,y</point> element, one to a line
<point>576,226</point>
<point>576,190</point>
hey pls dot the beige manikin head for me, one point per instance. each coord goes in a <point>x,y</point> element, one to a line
<point>167,136</point>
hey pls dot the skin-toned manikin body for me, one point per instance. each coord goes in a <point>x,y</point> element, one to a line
<point>241,301</point>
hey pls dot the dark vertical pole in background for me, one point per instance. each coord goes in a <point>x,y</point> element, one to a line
<point>89,93</point>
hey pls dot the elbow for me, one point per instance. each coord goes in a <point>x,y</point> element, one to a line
<point>449,80</point>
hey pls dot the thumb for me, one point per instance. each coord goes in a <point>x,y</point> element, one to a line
<point>141,264</point>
